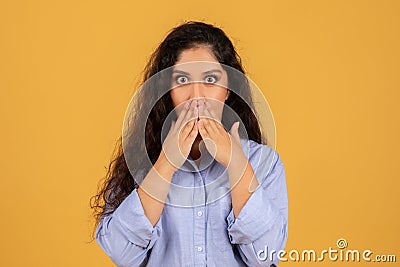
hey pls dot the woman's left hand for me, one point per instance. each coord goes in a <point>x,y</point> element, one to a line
<point>225,147</point>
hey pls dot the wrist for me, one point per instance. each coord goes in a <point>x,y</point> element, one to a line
<point>238,161</point>
<point>164,166</point>
<point>237,156</point>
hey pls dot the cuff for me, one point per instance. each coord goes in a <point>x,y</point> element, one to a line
<point>131,216</point>
<point>256,217</point>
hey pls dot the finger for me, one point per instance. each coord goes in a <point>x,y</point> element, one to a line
<point>202,130</point>
<point>206,124</point>
<point>182,115</point>
<point>210,118</point>
<point>172,128</point>
<point>172,125</point>
<point>186,119</point>
<point>213,115</point>
<point>202,109</point>
<point>187,129</point>
<point>235,131</point>
<point>205,117</point>
<point>193,133</point>
<point>190,115</point>
<point>209,111</point>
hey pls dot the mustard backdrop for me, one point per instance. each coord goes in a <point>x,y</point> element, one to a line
<point>329,69</point>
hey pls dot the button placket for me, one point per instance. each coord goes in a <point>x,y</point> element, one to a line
<point>199,221</point>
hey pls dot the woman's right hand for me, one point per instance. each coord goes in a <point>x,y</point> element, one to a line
<point>180,138</point>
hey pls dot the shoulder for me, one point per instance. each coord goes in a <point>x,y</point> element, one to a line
<point>257,151</point>
<point>263,158</point>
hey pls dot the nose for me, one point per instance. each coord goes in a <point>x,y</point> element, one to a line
<point>196,90</point>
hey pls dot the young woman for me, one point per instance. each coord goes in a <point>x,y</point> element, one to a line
<point>202,195</point>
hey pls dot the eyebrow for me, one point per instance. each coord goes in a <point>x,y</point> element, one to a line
<point>187,73</point>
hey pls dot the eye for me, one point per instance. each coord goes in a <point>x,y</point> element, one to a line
<point>181,79</point>
<point>211,79</point>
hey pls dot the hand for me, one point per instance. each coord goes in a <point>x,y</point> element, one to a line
<point>221,144</point>
<point>180,138</point>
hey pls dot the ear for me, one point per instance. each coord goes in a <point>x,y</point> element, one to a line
<point>227,94</point>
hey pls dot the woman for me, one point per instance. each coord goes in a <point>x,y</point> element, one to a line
<point>202,196</point>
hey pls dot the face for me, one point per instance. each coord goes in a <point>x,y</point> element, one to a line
<point>196,81</point>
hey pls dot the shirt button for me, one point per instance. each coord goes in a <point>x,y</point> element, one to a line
<point>199,213</point>
<point>199,249</point>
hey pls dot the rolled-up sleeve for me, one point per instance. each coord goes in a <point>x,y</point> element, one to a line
<point>127,235</point>
<point>261,227</point>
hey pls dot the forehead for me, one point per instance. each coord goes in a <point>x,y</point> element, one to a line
<point>196,61</point>
<point>199,53</point>
<point>198,68</point>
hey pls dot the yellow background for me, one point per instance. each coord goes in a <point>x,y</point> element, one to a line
<point>329,69</point>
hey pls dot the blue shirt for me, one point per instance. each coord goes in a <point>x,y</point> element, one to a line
<point>205,232</point>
